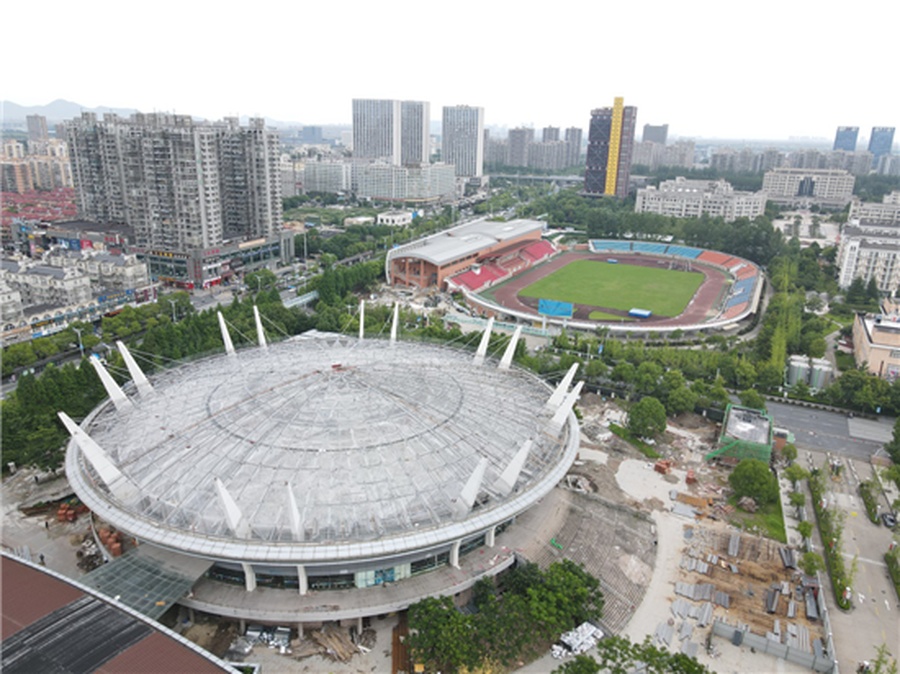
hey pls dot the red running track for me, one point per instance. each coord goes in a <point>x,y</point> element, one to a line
<point>699,310</point>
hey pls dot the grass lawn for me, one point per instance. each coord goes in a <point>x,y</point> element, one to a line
<point>619,286</point>
<point>768,520</point>
<point>603,316</point>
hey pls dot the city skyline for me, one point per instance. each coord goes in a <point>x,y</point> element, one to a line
<point>326,59</point>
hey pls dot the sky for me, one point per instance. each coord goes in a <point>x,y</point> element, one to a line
<point>762,70</point>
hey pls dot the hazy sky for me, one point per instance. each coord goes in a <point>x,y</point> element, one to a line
<point>765,69</point>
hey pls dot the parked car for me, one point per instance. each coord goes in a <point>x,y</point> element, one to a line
<point>889,519</point>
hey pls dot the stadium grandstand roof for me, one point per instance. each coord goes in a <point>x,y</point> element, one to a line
<point>54,624</point>
<point>464,240</point>
<point>326,447</point>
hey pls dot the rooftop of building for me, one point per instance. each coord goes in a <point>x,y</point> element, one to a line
<point>329,447</point>
<point>748,425</point>
<point>466,239</point>
<point>54,624</point>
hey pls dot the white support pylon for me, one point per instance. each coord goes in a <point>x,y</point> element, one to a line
<point>470,491</point>
<point>510,349</point>
<point>362,319</point>
<point>559,393</point>
<point>485,340</point>
<point>137,374</point>
<point>559,419</point>
<point>115,393</point>
<point>294,512</point>
<point>233,514</point>
<point>260,334</point>
<point>395,323</point>
<point>118,483</point>
<point>226,338</point>
<point>507,480</point>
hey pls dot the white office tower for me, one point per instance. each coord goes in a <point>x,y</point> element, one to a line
<point>415,136</point>
<point>395,132</point>
<point>376,130</point>
<point>462,133</point>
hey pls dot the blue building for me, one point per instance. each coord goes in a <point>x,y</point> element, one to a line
<point>845,138</point>
<point>880,142</point>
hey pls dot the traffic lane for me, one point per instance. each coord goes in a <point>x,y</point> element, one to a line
<point>821,429</point>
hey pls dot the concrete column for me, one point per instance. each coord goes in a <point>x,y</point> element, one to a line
<point>300,630</point>
<point>191,615</point>
<point>302,577</point>
<point>490,537</point>
<point>249,576</point>
<point>454,554</point>
<point>359,625</point>
<point>242,624</point>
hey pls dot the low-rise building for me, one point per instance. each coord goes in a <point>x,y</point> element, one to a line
<point>423,183</point>
<point>395,218</point>
<point>870,250</point>
<point>685,198</point>
<point>805,187</point>
<point>885,212</point>
<point>876,341</point>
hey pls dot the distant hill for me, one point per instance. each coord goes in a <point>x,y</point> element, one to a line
<point>12,115</point>
<point>57,111</point>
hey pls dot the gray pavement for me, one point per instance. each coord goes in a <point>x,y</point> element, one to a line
<point>832,431</point>
<point>875,616</point>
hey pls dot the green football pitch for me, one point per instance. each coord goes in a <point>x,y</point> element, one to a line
<point>598,284</point>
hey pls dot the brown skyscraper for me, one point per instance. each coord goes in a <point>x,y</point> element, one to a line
<point>610,144</point>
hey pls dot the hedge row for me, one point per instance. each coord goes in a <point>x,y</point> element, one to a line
<point>829,531</point>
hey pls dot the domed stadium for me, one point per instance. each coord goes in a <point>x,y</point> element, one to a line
<point>286,481</point>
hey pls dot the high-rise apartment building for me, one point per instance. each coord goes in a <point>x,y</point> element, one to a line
<point>845,138</point>
<point>37,127</point>
<point>415,136</point>
<point>519,140</point>
<point>550,133</point>
<point>881,142</point>
<point>573,141</point>
<point>610,147</point>
<point>462,140</point>
<point>655,134</point>
<point>393,131</point>
<point>376,130</point>
<point>180,184</point>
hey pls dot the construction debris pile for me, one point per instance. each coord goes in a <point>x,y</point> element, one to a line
<point>750,579</point>
<point>577,641</point>
<point>338,644</point>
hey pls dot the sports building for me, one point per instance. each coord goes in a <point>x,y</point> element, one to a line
<point>430,261</point>
<point>320,478</point>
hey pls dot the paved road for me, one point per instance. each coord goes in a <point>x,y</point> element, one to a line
<point>832,431</point>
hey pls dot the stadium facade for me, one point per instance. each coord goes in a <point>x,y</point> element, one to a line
<point>292,479</point>
<point>429,262</point>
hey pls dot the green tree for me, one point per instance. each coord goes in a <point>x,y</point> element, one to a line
<point>752,477</point>
<point>440,636</point>
<point>647,418</point>
<point>789,452</point>
<point>753,399</point>
<point>805,528</point>
<point>580,664</point>
<point>811,562</point>
<point>893,446</point>
<point>680,400</point>
<point>797,499</point>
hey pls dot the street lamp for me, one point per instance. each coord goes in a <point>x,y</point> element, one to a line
<point>172,302</point>
<point>80,345</point>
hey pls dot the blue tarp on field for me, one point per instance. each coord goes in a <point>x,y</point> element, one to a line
<point>554,308</point>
